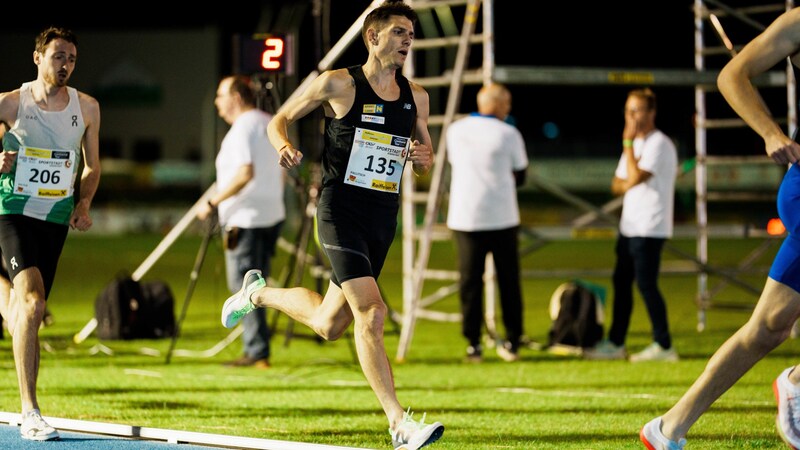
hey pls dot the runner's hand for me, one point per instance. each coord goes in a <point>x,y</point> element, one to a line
<point>290,157</point>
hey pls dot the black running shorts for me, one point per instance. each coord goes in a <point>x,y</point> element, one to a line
<point>355,232</point>
<point>26,242</point>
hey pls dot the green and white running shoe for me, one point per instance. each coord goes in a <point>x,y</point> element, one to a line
<point>239,305</point>
<point>411,435</point>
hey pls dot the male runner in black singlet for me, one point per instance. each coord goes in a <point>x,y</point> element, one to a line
<point>371,113</point>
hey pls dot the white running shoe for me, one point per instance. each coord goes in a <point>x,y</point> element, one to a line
<point>652,437</point>
<point>655,352</point>
<point>34,428</point>
<point>606,350</point>
<point>411,435</point>
<point>239,305</point>
<point>788,419</point>
<point>507,352</point>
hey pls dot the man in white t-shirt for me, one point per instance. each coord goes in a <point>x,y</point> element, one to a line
<point>249,199</point>
<point>645,176</point>
<point>488,161</point>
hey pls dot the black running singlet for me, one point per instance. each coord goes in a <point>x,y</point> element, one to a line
<point>367,148</point>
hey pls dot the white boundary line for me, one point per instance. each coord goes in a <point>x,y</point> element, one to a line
<point>172,436</point>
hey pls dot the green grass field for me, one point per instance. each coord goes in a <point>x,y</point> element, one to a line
<point>315,392</point>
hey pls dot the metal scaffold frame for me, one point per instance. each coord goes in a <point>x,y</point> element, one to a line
<point>709,11</point>
<point>417,240</point>
<point>415,260</point>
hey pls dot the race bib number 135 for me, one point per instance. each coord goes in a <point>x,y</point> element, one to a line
<point>377,160</point>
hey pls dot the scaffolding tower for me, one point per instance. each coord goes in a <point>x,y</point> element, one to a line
<point>417,240</point>
<point>709,12</point>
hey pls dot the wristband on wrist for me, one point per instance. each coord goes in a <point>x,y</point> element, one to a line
<point>626,143</point>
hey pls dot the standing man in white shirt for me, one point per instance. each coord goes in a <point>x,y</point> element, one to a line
<point>249,197</point>
<point>645,176</point>
<point>488,161</point>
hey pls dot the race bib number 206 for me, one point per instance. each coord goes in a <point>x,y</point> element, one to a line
<point>377,160</point>
<point>44,173</point>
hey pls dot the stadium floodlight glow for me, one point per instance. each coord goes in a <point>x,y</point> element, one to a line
<point>775,227</point>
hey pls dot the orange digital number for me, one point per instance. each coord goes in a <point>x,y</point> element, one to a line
<point>271,57</point>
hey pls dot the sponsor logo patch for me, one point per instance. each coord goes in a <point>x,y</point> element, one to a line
<point>373,119</point>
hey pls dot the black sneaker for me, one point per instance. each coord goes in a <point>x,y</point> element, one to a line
<point>474,354</point>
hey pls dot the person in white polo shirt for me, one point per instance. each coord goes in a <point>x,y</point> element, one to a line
<point>488,160</point>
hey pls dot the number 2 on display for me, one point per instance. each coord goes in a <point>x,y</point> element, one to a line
<point>271,57</point>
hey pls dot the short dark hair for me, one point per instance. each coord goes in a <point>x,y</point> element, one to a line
<point>378,16</point>
<point>242,85</point>
<point>52,33</point>
<point>645,94</point>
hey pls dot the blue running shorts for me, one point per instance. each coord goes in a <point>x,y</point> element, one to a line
<point>786,266</point>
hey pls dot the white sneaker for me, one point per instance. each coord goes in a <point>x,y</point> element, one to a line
<point>239,305</point>
<point>411,435</point>
<point>34,428</point>
<point>655,352</point>
<point>507,352</point>
<point>788,419</point>
<point>606,350</point>
<point>652,437</point>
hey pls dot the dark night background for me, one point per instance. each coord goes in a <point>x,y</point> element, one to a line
<point>623,34</point>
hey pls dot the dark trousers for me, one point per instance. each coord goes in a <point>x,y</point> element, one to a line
<point>472,250</point>
<point>639,259</point>
<point>253,249</point>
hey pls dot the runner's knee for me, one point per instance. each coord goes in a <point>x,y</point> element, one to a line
<point>372,314</point>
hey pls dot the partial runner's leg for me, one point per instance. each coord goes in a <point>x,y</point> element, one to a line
<point>770,325</point>
<point>328,316</point>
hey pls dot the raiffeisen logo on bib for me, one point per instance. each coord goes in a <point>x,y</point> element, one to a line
<point>388,186</point>
<point>52,192</point>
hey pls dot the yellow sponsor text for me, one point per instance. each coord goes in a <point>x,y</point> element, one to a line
<point>37,152</point>
<point>372,109</point>
<point>631,77</point>
<point>390,186</point>
<point>52,192</point>
<point>374,136</point>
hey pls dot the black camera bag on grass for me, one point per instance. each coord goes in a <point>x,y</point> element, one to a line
<point>576,309</point>
<point>129,309</point>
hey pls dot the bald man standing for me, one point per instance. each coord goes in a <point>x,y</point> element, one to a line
<point>488,161</point>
